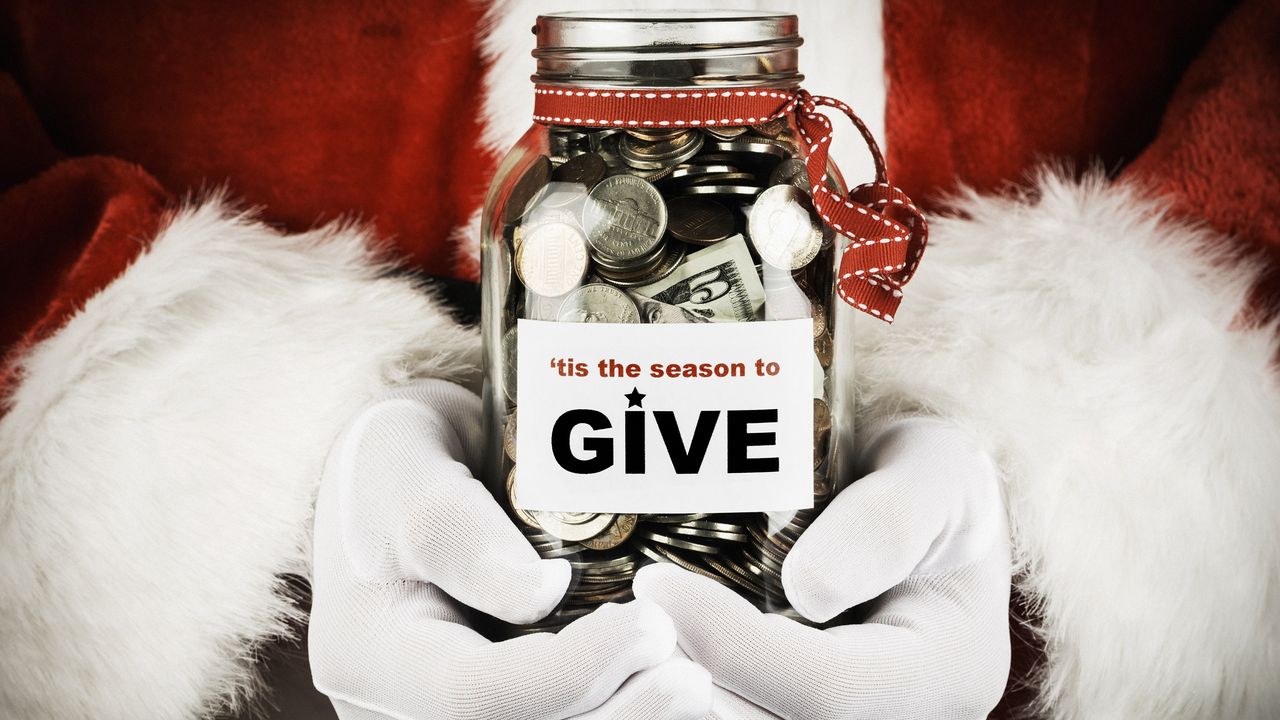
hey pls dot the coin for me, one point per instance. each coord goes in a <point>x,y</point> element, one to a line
<point>667,538</point>
<point>724,133</point>
<point>791,171</point>
<point>538,307</point>
<point>731,178</point>
<point>552,259</point>
<point>572,526</point>
<point>586,169</point>
<point>685,173</point>
<point>737,191</point>
<point>699,220</point>
<point>654,134</point>
<point>823,349</point>
<point>668,151</point>
<point>534,179</point>
<point>750,148</point>
<point>598,302</point>
<point>509,360</point>
<point>686,531</point>
<point>509,435</point>
<point>821,415</point>
<point>675,518</point>
<point>614,535</point>
<point>625,217</point>
<point>782,229</point>
<point>772,128</point>
<point>671,259</point>
<point>523,515</point>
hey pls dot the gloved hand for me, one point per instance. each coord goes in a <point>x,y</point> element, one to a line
<point>402,531</point>
<point>925,536</point>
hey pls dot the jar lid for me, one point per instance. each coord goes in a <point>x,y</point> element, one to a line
<point>670,48</point>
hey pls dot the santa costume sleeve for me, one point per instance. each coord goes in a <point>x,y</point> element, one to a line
<point>176,368</point>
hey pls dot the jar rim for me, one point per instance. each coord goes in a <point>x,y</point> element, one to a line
<point>675,48</point>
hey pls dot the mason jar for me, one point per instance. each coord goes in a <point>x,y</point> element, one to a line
<point>660,337</point>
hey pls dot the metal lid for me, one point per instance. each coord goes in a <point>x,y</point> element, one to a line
<point>672,48</point>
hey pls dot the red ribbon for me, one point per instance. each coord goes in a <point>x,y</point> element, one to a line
<point>887,233</point>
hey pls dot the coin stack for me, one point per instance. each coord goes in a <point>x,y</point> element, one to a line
<point>669,225</point>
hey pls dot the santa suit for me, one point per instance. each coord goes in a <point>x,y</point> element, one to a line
<point>177,366</point>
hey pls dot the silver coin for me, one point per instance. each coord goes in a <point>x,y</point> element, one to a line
<point>572,526</point>
<point>509,360</point>
<point>598,303</point>
<point>625,218</point>
<point>552,259</point>
<point>791,171</point>
<point>751,147</point>
<point>675,255</point>
<point>538,307</point>
<point>725,133</point>
<point>783,230</point>
<point>737,191</point>
<point>689,172</point>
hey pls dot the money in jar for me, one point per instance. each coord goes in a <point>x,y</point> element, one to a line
<point>658,308</point>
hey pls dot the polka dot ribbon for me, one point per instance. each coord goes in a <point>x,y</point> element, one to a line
<point>887,234</point>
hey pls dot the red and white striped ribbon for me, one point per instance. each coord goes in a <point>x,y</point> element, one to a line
<point>887,233</point>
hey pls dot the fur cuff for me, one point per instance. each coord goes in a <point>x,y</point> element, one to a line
<point>159,459</point>
<point>1094,343</point>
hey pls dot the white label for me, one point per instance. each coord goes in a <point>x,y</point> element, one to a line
<point>665,418</point>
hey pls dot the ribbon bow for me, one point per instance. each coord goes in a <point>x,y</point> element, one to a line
<point>887,233</point>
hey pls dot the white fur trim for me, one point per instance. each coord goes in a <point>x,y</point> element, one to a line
<point>842,56</point>
<point>1093,342</point>
<point>158,463</point>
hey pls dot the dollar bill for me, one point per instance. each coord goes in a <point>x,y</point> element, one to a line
<point>653,311</point>
<point>718,283</point>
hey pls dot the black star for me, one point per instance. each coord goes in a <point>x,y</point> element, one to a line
<point>634,398</point>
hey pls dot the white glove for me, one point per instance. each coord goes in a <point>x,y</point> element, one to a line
<point>925,535</point>
<point>401,525</point>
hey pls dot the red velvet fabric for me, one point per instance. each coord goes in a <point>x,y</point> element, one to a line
<point>982,90</point>
<point>311,109</point>
<point>1218,150</point>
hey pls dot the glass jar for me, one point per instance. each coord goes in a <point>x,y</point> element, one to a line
<point>614,245</point>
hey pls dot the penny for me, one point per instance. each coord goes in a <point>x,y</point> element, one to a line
<point>654,155</point>
<point>772,128</point>
<point>524,516</point>
<point>552,259</point>
<point>586,169</point>
<point>534,179</point>
<point>654,134</point>
<point>782,229</point>
<point>614,535</point>
<point>699,220</point>
<point>598,303</point>
<point>509,436</point>
<point>823,349</point>
<point>821,415</point>
<point>625,217</point>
